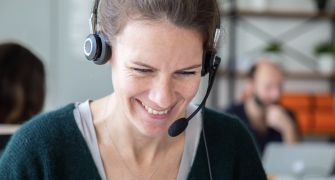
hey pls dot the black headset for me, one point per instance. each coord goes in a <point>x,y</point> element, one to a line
<point>98,50</point>
<point>96,46</point>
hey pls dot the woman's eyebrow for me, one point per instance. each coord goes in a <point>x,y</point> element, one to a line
<point>190,67</point>
<point>144,65</point>
<point>150,67</point>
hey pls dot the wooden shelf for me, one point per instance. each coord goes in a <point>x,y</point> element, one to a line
<point>290,75</point>
<point>309,76</point>
<point>282,14</point>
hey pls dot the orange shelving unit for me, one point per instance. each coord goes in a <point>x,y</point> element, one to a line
<point>315,113</point>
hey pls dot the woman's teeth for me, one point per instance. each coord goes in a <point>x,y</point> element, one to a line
<point>154,112</point>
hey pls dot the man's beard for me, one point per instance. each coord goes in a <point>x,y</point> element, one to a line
<point>261,103</point>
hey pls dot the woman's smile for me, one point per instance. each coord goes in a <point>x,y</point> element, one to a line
<point>155,114</point>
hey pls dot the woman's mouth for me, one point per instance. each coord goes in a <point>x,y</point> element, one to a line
<point>154,113</point>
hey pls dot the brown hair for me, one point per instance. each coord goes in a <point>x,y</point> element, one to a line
<point>200,15</point>
<point>22,80</point>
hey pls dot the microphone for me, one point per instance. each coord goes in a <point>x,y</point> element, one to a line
<point>180,125</point>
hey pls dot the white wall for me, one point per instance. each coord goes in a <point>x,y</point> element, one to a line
<point>78,79</point>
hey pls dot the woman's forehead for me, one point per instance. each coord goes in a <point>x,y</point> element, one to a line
<point>159,40</point>
<point>160,29</point>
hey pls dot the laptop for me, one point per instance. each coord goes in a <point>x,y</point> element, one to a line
<point>300,160</point>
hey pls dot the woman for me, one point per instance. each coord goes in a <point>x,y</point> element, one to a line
<point>156,60</point>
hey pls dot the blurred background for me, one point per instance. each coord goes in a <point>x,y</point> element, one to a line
<point>298,35</point>
<point>55,31</point>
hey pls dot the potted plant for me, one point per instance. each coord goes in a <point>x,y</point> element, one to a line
<point>273,51</point>
<point>325,53</point>
<point>274,47</point>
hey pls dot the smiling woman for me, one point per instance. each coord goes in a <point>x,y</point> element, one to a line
<point>162,73</point>
<point>158,51</point>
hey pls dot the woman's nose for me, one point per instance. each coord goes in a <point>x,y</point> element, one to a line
<point>162,93</point>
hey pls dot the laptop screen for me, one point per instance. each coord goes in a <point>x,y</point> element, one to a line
<point>299,160</point>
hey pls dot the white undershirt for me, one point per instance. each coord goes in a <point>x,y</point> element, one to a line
<point>83,117</point>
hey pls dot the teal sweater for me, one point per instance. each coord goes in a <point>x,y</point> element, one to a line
<point>50,146</point>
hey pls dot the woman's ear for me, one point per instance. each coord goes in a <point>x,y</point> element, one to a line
<point>112,56</point>
<point>112,41</point>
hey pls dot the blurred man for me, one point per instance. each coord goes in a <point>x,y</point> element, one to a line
<point>265,117</point>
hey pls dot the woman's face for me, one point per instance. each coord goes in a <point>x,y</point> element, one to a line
<point>156,71</point>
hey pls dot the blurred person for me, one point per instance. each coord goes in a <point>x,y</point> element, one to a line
<point>261,109</point>
<point>22,81</point>
<point>158,51</point>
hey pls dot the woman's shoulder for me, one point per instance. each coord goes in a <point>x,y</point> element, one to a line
<point>223,121</point>
<point>42,133</point>
<point>45,127</point>
<point>230,139</point>
<point>43,142</point>
<point>227,129</point>
<point>60,118</point>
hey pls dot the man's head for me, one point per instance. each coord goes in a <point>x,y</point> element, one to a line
<point>266,81</point>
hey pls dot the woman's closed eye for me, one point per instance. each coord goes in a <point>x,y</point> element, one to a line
<point>149,71</point>
<point>186,73</point>
<point>142,70</point>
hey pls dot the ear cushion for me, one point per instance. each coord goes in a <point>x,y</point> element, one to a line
<point>207,62</point>
<point>96,48</point>
<point>91,49</point>
<point>105,50</point>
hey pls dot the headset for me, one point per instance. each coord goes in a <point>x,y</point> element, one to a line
<point>96,46</point>
<point>98,50</point>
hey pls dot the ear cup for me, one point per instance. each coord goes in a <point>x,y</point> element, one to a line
<point>90,47</point>
<point>96,48</point>
<point>105,50</point>
<point>207,62</point>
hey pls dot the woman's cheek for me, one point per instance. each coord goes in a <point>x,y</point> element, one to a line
<point>135,85</point>
<point>189,89</point>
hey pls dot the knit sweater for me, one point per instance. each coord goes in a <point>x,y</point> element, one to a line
<point>50,146</point>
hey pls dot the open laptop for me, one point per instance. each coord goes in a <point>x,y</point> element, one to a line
<point>301,160</point>
<point>6,131</point>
